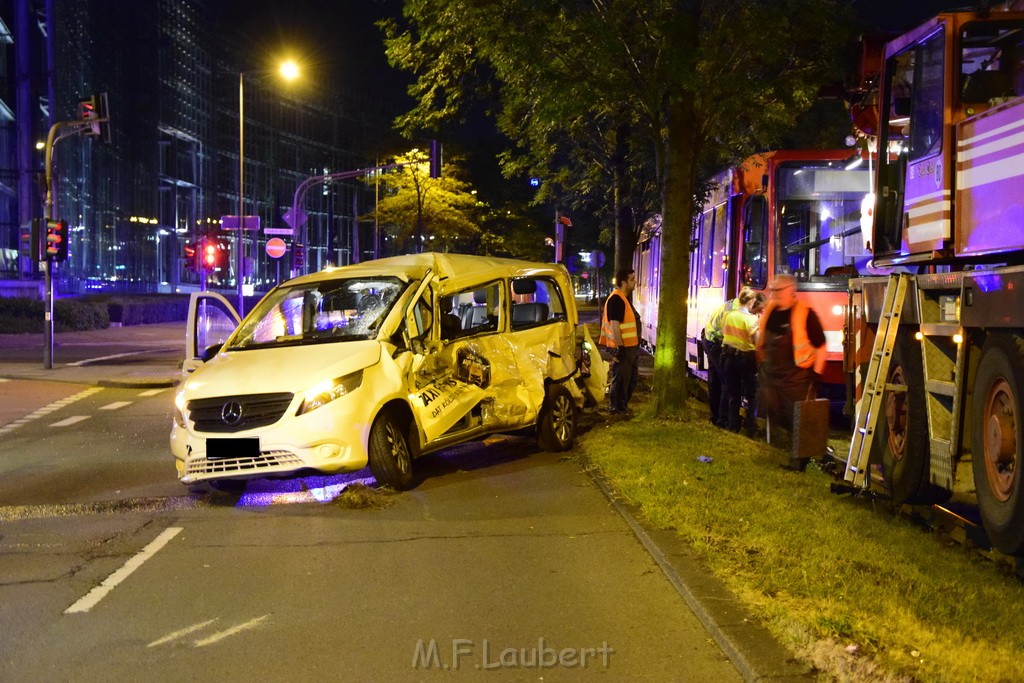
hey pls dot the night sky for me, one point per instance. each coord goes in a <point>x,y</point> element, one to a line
<point>336,40</point>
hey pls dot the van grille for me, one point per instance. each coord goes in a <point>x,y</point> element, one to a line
<point>226,414</point>
<point>265,460</point>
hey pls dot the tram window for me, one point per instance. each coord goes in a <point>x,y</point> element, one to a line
<point>755,258</point>
<point>707,252</point>
<point>720,245</point>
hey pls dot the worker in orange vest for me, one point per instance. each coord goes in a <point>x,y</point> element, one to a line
<point>791,353</point>
<point>620,325</point>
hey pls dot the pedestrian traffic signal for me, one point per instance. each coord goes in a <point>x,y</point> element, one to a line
<point>56,242</point>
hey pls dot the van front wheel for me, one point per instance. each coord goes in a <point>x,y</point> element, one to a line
<point>390,459</point>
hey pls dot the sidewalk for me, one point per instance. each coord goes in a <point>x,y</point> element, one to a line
<point>139,356</point>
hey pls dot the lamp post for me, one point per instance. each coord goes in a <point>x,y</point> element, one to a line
<point>239,258</point>
<point>289,71</point>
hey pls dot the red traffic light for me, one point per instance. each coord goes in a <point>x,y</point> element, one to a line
<point>210,254</point>
<point>56,241</point>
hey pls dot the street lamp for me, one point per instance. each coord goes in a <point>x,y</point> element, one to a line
<point>289,71</point>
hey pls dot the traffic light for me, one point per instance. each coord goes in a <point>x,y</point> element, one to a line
<point>95,110</point>
<point>211,254</point>
<point>191,259</point>
<point>56,241</point>
<point>28,240</point>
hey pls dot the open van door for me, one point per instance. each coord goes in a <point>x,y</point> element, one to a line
<point>211,320</point>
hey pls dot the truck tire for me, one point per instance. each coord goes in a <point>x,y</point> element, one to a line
<point>389,454</point>
<point>556,427</point>
<point>905,445</point>
<point>997,441</point>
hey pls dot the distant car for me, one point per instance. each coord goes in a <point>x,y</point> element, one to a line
<point>379,363</point>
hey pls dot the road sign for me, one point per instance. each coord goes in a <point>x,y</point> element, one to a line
<point>276,247</point>
<point>231,222</point>
<point>597,258</point>
<point>288,232</point>
<point>295,221</point>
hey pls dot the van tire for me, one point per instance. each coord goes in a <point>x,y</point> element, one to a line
<point>389,454</point>
<point>556,427</point>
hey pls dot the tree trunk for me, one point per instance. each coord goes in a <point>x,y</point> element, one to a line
<point>625,232</point>
<point>671,387</point>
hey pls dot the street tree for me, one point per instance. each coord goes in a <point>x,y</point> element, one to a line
<point>421,213</point>
<point>691,84</point>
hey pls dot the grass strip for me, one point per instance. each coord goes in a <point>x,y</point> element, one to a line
<point>851,588</point>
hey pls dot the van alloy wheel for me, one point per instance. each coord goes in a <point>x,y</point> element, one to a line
<point>389,455</point>
<point>556,428</point>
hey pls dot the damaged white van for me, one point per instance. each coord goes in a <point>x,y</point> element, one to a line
<point>379,363</point>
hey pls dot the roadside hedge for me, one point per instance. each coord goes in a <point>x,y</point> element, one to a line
<point>22,315</point>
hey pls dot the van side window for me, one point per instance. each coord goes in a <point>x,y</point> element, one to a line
<point>535,301</point>
<point>472,311</point>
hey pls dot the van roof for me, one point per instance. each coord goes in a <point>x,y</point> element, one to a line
<point>460,269</point>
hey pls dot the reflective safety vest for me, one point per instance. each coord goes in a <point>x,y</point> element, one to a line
<point>739,330</point>
<point>713,329</point>
<point>627,328</point>
<point>803,352</point>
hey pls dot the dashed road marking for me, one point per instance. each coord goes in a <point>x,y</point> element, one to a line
<point>221,635</point>
<point>115,405</point>
<point>67,422</point>
<point>181,633</point>
<point>89,600</point>
<point>150,392</point>
<point>46,410</point>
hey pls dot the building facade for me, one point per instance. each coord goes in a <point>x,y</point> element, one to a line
<point>137,203</point>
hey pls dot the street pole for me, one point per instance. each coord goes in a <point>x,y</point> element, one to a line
<point>239,260</point>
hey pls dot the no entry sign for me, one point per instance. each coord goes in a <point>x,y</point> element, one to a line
<point>276,247</point>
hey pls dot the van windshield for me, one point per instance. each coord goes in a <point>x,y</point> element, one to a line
<point>319,312</point>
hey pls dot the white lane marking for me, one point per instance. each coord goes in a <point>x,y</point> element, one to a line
<point>221,635</point>
<point>89,600</point>
<point>115,405</point>
<point>181,633</point>
<point>46,410</point>
<point>4,379</point>
<point>150,392</point>
<point>87,361</point>
<point>67,422</point>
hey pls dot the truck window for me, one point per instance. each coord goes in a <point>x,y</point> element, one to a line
<point>991,61</point>
<point>926,104</point>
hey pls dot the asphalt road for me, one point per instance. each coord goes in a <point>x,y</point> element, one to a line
<point>504,561</point>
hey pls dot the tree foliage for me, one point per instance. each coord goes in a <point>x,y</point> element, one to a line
<point>420,213</point>
<point>614,93</point>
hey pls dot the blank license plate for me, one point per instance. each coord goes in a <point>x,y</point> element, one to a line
<point>232,448</point>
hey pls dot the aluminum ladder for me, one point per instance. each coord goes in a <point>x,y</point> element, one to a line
<point>869,406</point>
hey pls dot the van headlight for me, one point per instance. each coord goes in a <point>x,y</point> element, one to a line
<point>179,409</point>
<point>324,393</point>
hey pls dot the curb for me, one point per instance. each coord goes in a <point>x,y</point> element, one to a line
<point>136,384</point>
<point>753,650</point>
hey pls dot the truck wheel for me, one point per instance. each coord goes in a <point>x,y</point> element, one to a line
<point>390,459</point>
<point>997,441</point>
<point>556,428</point>
<point>905,445</point>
